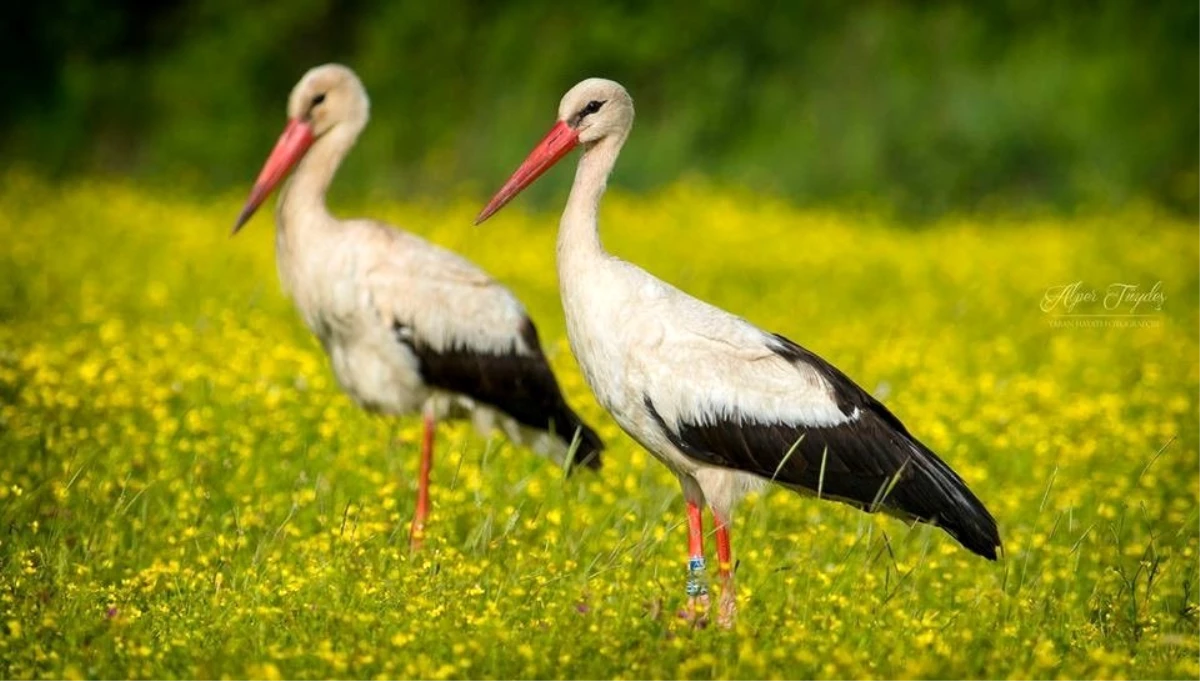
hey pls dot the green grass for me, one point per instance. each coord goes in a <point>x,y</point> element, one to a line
<point>185,493</point>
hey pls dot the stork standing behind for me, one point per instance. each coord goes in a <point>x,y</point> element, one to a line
<point>408,326</point>
<point>726,406</point>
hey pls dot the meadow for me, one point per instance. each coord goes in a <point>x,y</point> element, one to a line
<point>184,492</point>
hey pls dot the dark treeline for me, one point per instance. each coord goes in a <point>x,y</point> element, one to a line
<point>930,107</point>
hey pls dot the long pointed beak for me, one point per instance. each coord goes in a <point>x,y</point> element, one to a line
<point>560,140</point>
<point>297,137</point>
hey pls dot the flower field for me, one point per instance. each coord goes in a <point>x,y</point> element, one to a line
<point>184,492</point>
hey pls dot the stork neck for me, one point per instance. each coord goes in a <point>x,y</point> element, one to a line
<point>579,229</point>
<point>304,195</point>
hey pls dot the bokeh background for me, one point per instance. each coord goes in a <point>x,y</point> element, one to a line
<point>922,108</point>
<point>185,492</point>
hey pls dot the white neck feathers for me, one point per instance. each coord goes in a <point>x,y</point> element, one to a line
<point>302,201</point>
<point>579,229</point>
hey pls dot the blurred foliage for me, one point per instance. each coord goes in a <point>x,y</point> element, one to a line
<point>929,107</point>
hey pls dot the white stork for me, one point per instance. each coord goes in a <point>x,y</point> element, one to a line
<point>408,326</point>
<point>726,406</point>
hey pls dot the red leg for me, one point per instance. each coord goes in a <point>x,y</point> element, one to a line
<point>697,583</point>
<point>695,532</point>
<point>727,609</point>
<point>418,524</point>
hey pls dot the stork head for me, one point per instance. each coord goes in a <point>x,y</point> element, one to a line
<point>328,98</point>
<point>597,108</point>
<point>593,111</point>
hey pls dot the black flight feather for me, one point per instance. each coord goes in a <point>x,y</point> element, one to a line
<point>521,385</point>
<point>870,461</point>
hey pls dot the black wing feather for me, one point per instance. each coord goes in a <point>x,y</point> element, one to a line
<point>521,385</point>
<point>871,462</point>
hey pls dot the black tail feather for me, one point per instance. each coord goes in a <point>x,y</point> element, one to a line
<point>519,383</point>
<point>566,424</point>
<point>935,494</point>
<point>870,462</point>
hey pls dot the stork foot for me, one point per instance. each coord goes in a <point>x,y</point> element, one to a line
<point>416,537</point>
<point>727,609</point>
<point>696,611</point>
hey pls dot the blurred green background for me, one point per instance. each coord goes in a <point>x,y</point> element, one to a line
<point>925,108</point>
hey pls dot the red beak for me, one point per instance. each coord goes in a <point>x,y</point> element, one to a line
<point>560,140</point>
<point>297,137</point>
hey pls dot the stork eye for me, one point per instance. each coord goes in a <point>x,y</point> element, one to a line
<point>591,108</point>
<point>318,99</point>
